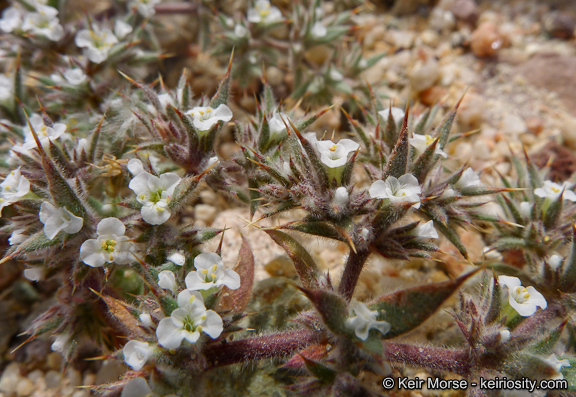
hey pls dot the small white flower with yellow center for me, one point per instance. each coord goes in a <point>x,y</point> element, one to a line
<point>136,354</point>
<point>188,321</point>
<point>97,43</point>
<point>523,299</point>
<point>553,191</point>
<point>155,194</point>
<point>58,219</point>
<point>335,155</point>
<point>204,117</point>
<point>110,246</point>
<point>43,22</point>
<point>404,189</point>
<point>318,30</point>
<point>210,272</point>
<point>364,320</point>
<point>13,188</point>
<point>421,143</point>
<point>45,134</point>
<point>264,12</point>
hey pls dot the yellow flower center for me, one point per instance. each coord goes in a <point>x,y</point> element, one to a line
<point>555,189</point>
<point>332,148</point>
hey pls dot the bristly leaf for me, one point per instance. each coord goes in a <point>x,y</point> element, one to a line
<point>407,309</point>
<point>306,268</point>
<point>446,126</point>
<point>390,130</point>
<point>451,235</point>
<point>34,243</point>
<point>320,371</point>
<point>424,162</point>
<point>332,308</point>
<point>568,279</point>
<point>321,229</point>
<point>546,345</point>
<point>398,162</point>
<point>221,96</point>
<point>237,300</point>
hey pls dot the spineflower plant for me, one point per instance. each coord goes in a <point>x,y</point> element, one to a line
<point>109,207</point>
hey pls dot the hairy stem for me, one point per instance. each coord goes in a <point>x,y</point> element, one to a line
<point>259,348</point>
<point>354,266</point>
<point>453,360</point>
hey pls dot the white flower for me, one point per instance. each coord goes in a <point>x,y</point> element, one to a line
<point>34,273</point>
<point>425,230</point>
<point>341,196</point>
<point>97,43</point>
<point>135,166</point>
<point>17,236</point>
<point>555,261</point>
<point>11,20</point>
<point>136,353</point>
<point>145,7</point>
<point>164,100</point>
<point>122,29</point>
<point>6,87</point>
<point>188,321</point>
<point>525,209</point>
<point>44,132</point>
<point>318,30</point>
<point>177,258</point>
<point>110,246</point>
<point>334,155</point>
<point>240,30</point>
<point>553,190</point>
<point>263,12</point>
<point>14,187</point>
<point>553,361</point>
<point>146,320</point>
<point>364,320</point>
<point>397,114</point>
<point>405,188</point>
<point>75,76</point>
<point>57,219</point>
<point>136,387</point>
<point>523,300</point>
<point>154,193</point>
<point>421,143</point>
<point>204,117</point>
<point>44,22</point>
<point>211,161</point>
<point>60,343</point>
<point>277,126</point>
<point>335,75</point>
<point>210,272</point>
<point>167,280</point>
<point>469,178</point>
<point>504,336</point>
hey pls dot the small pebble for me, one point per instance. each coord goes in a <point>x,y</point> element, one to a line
<point>465,11</point>
<point>35,375</point>
<point>54,361</point>
<point>74,377</point>
<point>274,76</point>
<point>486,40</point>
<point>10,378</point>
<point>25,387</point>
<point>81,393</point>
<point>205,212</point>
<point>52,379</point>
<point>89,379</point>
<point>513,125</point>
<point>424,74</point>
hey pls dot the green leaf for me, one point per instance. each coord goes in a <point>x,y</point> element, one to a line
<point>317,228</point>
<point>332,308</point>
<point>34,243</point>
<point>398,162</point>
<point>568,279</point>
<point>320,371</point>
<point>446,126</point>
<point>306,268</point>
<point>221,96</point>
<point>407,309</point>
